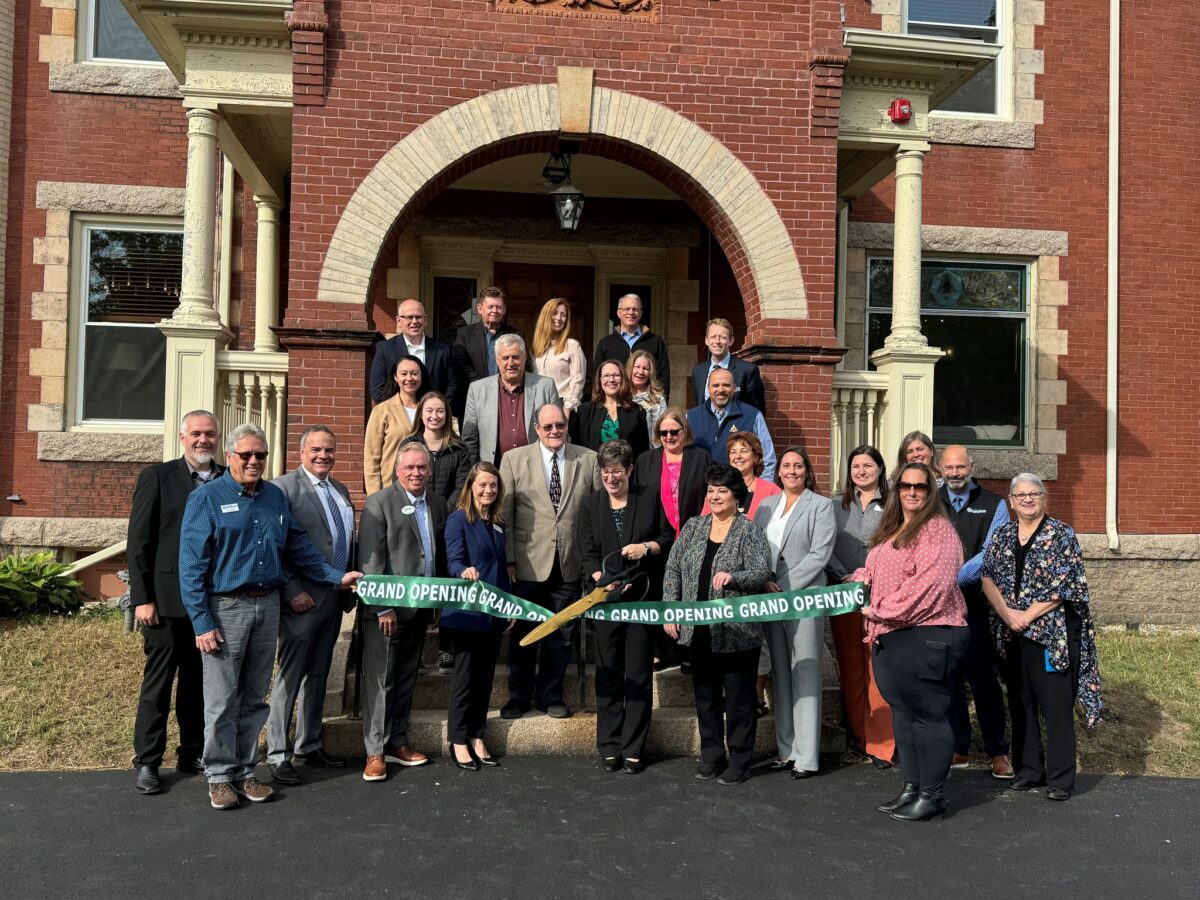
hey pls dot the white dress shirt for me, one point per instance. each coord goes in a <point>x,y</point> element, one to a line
<point>344,508</point>
<point>417,350</point>
<point>548,455</point>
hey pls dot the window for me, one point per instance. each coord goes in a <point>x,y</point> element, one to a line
<point>977,313</point>
<point>129,282</point>
<point>110,34</point>
<point>972,20</point>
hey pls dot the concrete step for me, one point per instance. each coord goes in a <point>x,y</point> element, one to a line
<point>672,733</point>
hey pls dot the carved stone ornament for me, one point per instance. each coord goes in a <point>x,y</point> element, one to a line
<point>642,10</point>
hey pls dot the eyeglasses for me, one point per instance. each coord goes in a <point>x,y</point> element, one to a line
<point>410,318</point>
<point>554,426</point>
<point>260,455</point>
<point>670,432</point>
<point>919,486</point>
<point>1027,495</point>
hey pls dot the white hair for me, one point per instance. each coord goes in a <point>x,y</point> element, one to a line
<point>507,340</point>
<point>244,431</point>
<point>1027,478</point>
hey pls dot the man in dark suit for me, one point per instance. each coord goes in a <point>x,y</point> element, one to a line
<point>630,335</point>
<point>474,349</point>
<point>411,340</point>
<point>311,614</point>
<point>747,382</point>
<point>170,644</point>
<point>402,533</point>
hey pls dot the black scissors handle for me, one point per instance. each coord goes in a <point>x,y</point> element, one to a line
<point>628,575</point>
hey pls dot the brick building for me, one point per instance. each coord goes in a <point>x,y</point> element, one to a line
<point>216,205</point>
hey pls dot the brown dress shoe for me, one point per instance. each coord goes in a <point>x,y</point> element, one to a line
<point>1001,767</point>
<point>405,756</point>
<point>253,790</point>
<point>960,761</point>
<point>375,769</point>
<point>221,795</point>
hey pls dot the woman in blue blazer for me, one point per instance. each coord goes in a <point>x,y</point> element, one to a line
<point>475,551</point>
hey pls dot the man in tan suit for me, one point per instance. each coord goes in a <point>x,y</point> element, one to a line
<point>544,486</point>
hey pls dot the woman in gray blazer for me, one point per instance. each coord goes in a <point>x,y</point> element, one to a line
<point>800,528</point>
<point>717,556</point>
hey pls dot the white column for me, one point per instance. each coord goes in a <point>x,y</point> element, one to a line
<point>266,281</point>
<point>199,221</point>
<point>906,253</point>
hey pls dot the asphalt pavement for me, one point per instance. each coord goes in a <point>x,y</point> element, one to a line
<point>561,827</point>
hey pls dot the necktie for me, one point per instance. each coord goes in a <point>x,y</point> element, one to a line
<point>423,528</point>
<point>958,504</point>
<point>555,482</point>
<point>341,547</point>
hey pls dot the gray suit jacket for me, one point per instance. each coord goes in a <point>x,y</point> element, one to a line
<point>308,509</point>
<point>389,542</point>
<point>533,532</point>
<point>482,412</point>
<point>807,540</point>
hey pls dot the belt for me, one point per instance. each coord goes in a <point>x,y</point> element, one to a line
<point>246,592</point>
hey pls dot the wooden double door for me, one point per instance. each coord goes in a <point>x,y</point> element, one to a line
<point>529,286</point>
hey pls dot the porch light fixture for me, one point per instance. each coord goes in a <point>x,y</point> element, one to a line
<point>568,199</point>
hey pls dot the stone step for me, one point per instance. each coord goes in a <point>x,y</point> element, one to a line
<point>672,733</point>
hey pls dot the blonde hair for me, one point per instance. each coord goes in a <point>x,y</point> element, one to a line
<point>543,331</point>
<point>654,390</point>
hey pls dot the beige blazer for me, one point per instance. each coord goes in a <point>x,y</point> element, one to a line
<point>389,424</point>
<point>533,532</point>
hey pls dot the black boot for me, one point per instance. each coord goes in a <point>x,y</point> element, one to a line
<point>924,808</point>
<point>908,793</point>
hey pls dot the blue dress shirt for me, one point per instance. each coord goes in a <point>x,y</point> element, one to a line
<point>971,569</point>
<point>231,540</point>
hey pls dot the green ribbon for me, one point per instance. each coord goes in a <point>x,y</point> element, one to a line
<point>414,592</point>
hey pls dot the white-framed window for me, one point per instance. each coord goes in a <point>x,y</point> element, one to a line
<point>108,34</point>
<point>978,313</point>
<point>127,281</point>
<point>986,21</point>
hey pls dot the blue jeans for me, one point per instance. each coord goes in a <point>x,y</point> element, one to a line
<point>236,680</point>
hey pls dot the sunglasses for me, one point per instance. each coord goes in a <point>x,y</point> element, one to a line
<point>670,432</point>
<point>554,426</point>
<point>919,486</point>
<point>260,455</point>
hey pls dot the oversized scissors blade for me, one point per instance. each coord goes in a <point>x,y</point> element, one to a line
<point>558,620</point>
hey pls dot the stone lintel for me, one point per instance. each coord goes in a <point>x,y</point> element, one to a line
<point>962,239</point>
<point>117,199</point>
<point>88,446</point>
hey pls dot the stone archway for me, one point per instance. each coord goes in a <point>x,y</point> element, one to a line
<point>747,224</point>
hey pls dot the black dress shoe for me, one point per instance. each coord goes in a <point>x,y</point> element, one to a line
<point>1025,784</point>
<point>908,793</point>
<point>189,764</point>
<point>778,765</point>
<point>706,772</point>
<point>633,766</point>
<point>1059,794</point>
<point>881,764</point>
<point>284,773</point>
<point>558,711</point>
<point>920,810</point>
<point>760,710</point>
<point>319,759</point>
<point>471,766</point>
<point>489,761</point>
<point>512,710</point>
<point>610,763</point>
<point>147,780</point>
<point>799,774</point>
<point>731,778</point>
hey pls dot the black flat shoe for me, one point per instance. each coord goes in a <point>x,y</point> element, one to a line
<point>907,795</point>
<point>632,767</point>
<point>881,764</point>
<point>189,764</point>
<point>705,772</point>
<point>147,780</point>
<point>801,774</point>
<point>319,759</point>
<point>1058,794</point>
<point>610,763</point>
<point>1025,784</point>
<point>730,779</point>
<point>778,765</point>
<point>920,810</point>
<point>284,773</point>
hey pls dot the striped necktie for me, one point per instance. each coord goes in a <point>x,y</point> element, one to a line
<point>341,547</point>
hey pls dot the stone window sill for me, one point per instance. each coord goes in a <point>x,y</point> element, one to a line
<point>91,446</point>
<point>114,79</point>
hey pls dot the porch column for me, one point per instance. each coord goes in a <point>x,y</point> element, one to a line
<point>906,357</point>
<point>266,280</point>
<point>194,332</point>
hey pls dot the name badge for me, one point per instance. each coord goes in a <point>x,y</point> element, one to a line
<point>229,507</point>
<point>408,510</point>
<point>498,528</point>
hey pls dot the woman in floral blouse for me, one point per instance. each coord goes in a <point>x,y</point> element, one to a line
<point>917,629</point>
<point>1034,580</point>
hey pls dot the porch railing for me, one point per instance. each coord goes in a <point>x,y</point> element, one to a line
<point>252,388</point>
<point>859,399</point>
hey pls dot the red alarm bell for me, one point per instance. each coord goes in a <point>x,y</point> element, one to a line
<point>900,110</point>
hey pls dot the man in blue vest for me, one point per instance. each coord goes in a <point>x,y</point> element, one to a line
<point>976,513</point>
<point>720,416</point>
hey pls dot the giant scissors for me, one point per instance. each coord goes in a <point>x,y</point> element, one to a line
<point>612,582</point>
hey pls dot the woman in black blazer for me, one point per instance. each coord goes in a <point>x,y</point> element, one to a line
<point>627,518</point>
<point>475,550</point>
<point>611,414</point>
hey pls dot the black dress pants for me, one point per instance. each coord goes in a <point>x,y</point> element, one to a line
<point>475,655</point>
<point>979,670</point>
<point>624,688</point>
<point>170,648</point>
<point>1030,689</point>
<point>916,669</point>
<point>536,672</point>
<point>725,697</point>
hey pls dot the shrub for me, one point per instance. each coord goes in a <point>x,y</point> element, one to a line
<point>37,583</point>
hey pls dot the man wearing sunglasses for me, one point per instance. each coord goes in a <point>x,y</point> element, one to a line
<point>411,340</point>
<point>238,546</point>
